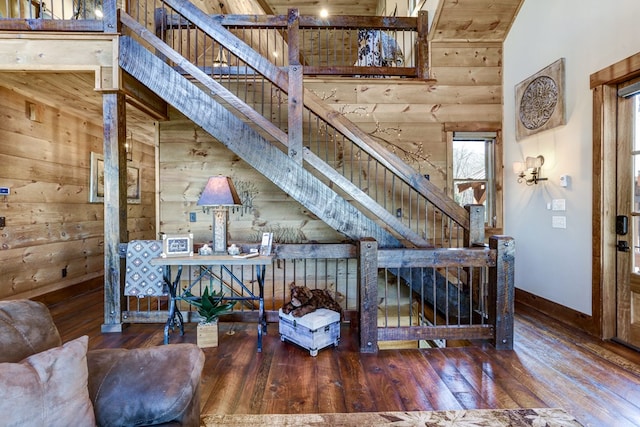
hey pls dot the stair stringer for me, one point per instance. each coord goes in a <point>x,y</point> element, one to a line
<point>245,142</point>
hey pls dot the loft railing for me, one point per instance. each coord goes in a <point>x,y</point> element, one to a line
<point>58,15</point>
<point>52,9</point>
<point>341,45</point>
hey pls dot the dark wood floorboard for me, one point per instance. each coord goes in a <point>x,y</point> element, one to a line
<point>552,365</point>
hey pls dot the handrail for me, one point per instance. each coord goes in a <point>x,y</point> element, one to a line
<point>308,21</point>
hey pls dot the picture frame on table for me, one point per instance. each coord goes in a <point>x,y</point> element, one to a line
<point>266,244</point>
<point>174,245</point>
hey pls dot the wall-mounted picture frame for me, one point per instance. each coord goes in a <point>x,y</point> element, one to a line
<point>177,245</point>
<point>540,101</point>
<point>96,180</point>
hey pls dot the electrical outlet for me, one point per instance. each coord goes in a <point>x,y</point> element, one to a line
<point>192,217</point>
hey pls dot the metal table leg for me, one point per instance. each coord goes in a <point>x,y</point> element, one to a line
<point>262,319</point>
<point>175,316</point>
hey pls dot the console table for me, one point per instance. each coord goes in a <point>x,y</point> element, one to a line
<point>205,262</point>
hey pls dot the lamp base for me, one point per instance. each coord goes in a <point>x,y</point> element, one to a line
<point>219,243</point>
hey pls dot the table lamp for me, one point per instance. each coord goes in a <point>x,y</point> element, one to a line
<point>219,194</point>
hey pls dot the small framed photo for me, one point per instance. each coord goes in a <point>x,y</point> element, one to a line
<point>177,245</point>
<point>266,243</point>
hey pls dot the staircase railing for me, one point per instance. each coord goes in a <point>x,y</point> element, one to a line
<point>481,306</point>
<point>378,181</point>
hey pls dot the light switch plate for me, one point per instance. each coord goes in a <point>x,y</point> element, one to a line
<point>558,205</point>
<point>559,222</point>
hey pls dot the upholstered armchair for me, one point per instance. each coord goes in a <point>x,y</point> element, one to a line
<point>43,382</point>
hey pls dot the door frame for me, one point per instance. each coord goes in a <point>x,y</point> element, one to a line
<point>604,85</point>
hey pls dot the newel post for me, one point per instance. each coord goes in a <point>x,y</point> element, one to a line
<point>475,235</point>
<point>422,46</point>
<point>368,302</point>
<point>502,292</point>
<point>110,16</point>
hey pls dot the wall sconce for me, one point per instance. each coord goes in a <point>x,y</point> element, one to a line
<point>219,193</point>
<point>128,147</point>
<point>531,166</point>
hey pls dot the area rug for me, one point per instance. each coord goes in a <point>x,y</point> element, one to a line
<point>545,417</point>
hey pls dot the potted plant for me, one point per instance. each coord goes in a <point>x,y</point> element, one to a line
<point>209,306</point>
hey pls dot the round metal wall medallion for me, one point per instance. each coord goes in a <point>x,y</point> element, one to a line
<point>538,102</point>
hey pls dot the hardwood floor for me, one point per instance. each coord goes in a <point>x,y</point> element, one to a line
<point>550,366</point>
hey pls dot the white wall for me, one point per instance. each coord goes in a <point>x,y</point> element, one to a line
<point>590,34</point>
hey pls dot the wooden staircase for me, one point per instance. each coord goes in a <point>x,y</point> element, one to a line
<point>318,186</point>
<point>248,144</point>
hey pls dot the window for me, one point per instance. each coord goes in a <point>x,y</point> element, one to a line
<point>474,171</point>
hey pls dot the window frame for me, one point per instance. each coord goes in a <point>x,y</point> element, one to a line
<point>490,140</point>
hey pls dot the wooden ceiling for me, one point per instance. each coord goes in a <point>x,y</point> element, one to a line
<point>453,20</point>
<point>474,20</point>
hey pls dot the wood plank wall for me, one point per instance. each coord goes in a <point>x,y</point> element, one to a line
<point>189,156</point>
<point>50,224</point>
<point>409,117</point>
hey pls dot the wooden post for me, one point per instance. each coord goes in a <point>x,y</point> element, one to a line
<point>115,205</point>
<point>368,303</point>
<point>296,86</point>
<point>501,291</point>
<point>422,46</point>
<point>475,235</point>
<point>110,16</point>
